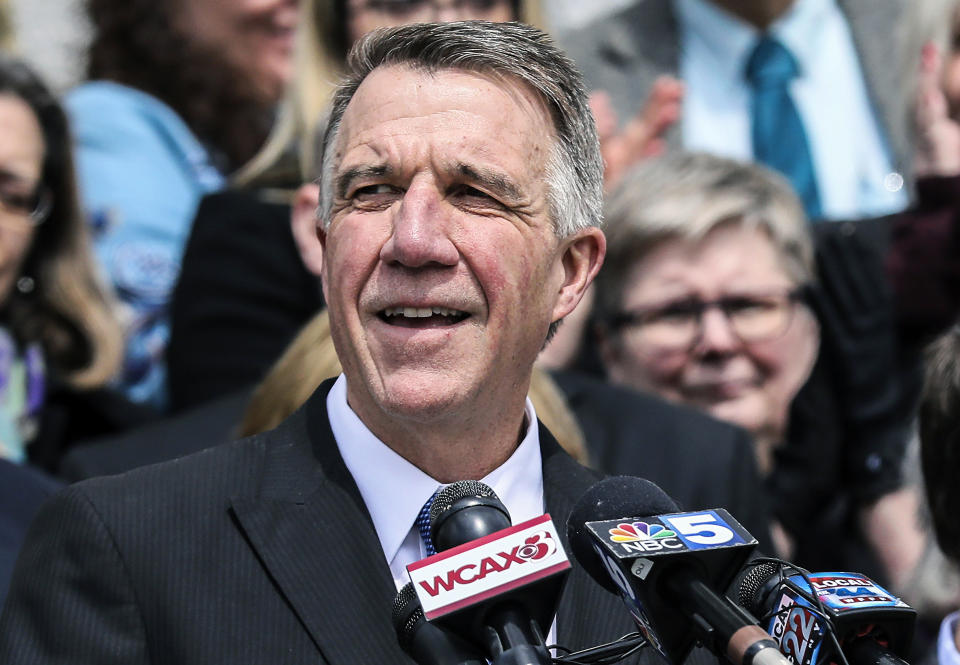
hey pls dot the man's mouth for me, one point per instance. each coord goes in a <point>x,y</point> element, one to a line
<point>422,317</point>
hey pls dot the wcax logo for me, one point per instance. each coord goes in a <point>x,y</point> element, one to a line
<point>533,548</point>
<point>467,574</point>
<point>644,537</point>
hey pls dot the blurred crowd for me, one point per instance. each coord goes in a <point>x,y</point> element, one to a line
<point>782,217</point>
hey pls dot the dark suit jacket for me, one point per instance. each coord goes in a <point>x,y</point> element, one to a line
<point>22,490</point>
<point>258,551</point>
<point>211,424</point>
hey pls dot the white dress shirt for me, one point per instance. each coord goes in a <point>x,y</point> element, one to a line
<point>394,490</point>
<point>854,170</point>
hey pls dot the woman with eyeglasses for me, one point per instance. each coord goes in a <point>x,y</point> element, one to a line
<point>59,340</point>
<point>707,298</point>
<point>703,292</point>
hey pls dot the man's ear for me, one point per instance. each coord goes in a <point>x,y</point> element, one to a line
<point>581,260</point>
<point>303,223</point>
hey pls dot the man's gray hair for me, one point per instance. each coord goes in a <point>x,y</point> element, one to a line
<point>509,50</point>
<point>686,195</point>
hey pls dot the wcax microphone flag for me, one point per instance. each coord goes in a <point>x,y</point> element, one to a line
<point>482,570</point>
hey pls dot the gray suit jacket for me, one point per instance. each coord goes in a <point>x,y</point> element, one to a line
<point>625,52</point>
<point>257,551</point>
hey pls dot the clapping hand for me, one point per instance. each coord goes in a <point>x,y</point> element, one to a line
<point>642,137</point>
<point>938,134</point>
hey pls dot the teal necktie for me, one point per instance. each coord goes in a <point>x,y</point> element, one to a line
<point>779,140</point>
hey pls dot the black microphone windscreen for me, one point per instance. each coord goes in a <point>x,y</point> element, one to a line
<point>461,489</point>
<point>406,614</point>
<point>752,582</point>
<point>609,499</point>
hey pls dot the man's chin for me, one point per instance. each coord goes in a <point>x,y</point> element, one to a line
<point>421,397</point>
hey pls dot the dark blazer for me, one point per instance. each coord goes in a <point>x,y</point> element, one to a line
<point>22,490</point>
<point>242,295</point>
<point>258,551</point>
<point>208,425</point>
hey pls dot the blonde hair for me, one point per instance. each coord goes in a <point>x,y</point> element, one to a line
<point>685,195</point>
<point>317,73</point>
<point>311,358</point>
<point>69,311</point>
<point>74,289</point>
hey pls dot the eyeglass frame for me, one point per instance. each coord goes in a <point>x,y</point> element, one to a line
<point>799,295</point>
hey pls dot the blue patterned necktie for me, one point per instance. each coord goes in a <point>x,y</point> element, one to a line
<point>423,524</point>
<point>779,140</point>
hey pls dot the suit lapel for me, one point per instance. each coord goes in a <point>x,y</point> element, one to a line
<point>310,529</point>
<point>588,614</point>
<point>870,24</point>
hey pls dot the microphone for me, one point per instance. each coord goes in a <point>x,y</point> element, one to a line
<point>464,511</point>
<point>495,585</point>
<point>666,565</point>
<point>426,643</point>
<point>871,625</point>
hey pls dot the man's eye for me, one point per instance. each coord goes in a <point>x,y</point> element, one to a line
<point>374,190</point>
<point>473,195</point>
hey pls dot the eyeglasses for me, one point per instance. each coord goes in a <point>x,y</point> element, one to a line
<point>678,325</point>
<point>418,8</point>
<point>30,207</point>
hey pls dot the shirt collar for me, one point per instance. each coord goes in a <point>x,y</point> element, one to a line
<point>730,40</point>
<point>394,490</point>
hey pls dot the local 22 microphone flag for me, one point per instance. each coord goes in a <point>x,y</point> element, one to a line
<point>804,607</point>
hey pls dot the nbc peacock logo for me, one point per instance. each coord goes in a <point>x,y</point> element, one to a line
<point>631,533</point>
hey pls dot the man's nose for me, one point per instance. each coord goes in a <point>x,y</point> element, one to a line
<point>716,333</point>
<point>420,235</point>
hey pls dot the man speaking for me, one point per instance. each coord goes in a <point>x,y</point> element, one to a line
<point>459,213</point>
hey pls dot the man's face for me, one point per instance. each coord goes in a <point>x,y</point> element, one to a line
<point>441,268</point>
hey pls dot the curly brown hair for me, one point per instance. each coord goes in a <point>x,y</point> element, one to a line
<point>136,43</point>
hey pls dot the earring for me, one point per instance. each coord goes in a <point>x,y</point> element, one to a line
<point>26,284</point>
